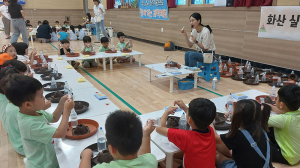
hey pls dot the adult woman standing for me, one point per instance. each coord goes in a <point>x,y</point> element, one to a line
<point>44,31</point>
<point>5,18</point>
<point>203,39</point>
<point>99,12</point>
<point>18,21</point>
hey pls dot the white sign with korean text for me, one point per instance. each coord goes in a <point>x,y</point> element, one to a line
<point>280,22</point>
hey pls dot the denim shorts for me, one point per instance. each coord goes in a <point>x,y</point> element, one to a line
<point>229,163</point>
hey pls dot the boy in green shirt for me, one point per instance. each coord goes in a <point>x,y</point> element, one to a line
<point>104,47</point>
<point>127,142</point>
<point>284,133</point>
<point>88,48</point>
<point>122,45</point>
<point>27,93</point>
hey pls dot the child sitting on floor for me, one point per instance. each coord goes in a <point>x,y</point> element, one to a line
<point>198,144</point>
<point>54,34</point>
<point>127,142</point>
<point>122,45</point>
<point>248,127</point>
<point>284,132</point>
<point>22,53</point>
<point>63,34</point>
<point>20,66</point>
<point>80,32</point>
<point>36,134</point>
<point>63,49</point>
<point>72,33</point>
<point>88,48</point>
<point>39,23</point>
<point>66,24</point>
<point>57,26</point>
<point>104,42</point>
<point>10,49</point>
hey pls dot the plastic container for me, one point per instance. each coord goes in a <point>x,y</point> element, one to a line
<point>113,48</point>
<point>214,83</point>
<point>220,68</point>
<point>264,78</point>
<point>101,140</point>
<point>185,84</point>
<point>279,81</point>
<point>66,88</point>
<point>229,100</point>
<point>252,72</point>
<point>229,61</point>
<point>257,79</point>
<point>182,122</point>
<point>74,120</point>
<point>53,83</point>
<point>168,62</point>
<point>273,93</point>
<point>225,68</point>
<point>230,72</point>
<point>49,66</point>
<point>55,70</point>
<point>241,72</point>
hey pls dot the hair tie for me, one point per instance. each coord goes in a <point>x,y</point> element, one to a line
<point>8,66</point>
<point>5,47</point>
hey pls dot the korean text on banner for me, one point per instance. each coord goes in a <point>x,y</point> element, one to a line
<point>280,22</point>
<point>154,9</point>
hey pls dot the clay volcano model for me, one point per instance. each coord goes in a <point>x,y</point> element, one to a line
<point>104,157</point>
<point>80,130</point>
<point>43,69</point>
<point>223,73</point>
<point>268,100</point>
<point>293,77</point>
<point>234,72</point>
<point>220,122</point>
<point>38,65</point>
<point>57,95</point>
<point>173,122</point>
<point>78,105</point>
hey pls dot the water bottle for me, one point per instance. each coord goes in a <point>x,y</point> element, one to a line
<point>220,60</point>
<point>273,93</point>
<point>168,62</point>
<point>230,72</point>
<point>292,72</point>
<point>241,72</point>
<point>229,61</point>
<point>42,55</point>
<point>220,68</point>
<point>225,68</point>
<point>279,81</point>
<point>44,63</point>
<point>55,70</point>
<point>53,83</point>
<point>93,49</point>
<point>101,140</point>
<point>66,88</point>
<point>252,72</point>
<point>214,83</point>
<point>74,121</point>
<point>49,66</point>
<point>69,94</point>
<point>113,48</point>
<point>229,100</point>
<point>246,65</point>
<point>182,122</point>
<point>264,78</point>
<point>249,67</point>
<point>230,111</point>
<point>257,79</point>
<point>71,50</point>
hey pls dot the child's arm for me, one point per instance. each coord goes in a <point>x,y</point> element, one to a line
<point>63,126</point>
<point>83,50</point>
<point>163,130</point>
<point>47,103</point>
<point>59,109</point>
<point>275,109</point>
<point>31,57</point>
<point>130,41</point>
<point>145,147</point>
<point>86,156</point>
<point>217,136</point>
<point>181,104</point>
<point>58,51</point>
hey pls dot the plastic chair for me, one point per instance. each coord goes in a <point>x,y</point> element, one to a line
<point>209,70</point>
<point>94,31</point>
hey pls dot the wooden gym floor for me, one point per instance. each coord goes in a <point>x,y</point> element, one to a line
<point>130,82</point>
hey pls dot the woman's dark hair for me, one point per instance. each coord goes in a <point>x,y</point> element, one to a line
<point>247,114</point>
<point>97,1</point>
<point>265,115</point>
<point>290,96</point>
<point>72,28</point>
<point>13,2</point>
<point>89,16</point>
<point>20,66</point>
<point>46,22</point>
<point>79,27</point>
<point>54,29</point>
<point>39,22</point>
<point>21,47</point>
<point>3,73</point>
<point>197,16</point>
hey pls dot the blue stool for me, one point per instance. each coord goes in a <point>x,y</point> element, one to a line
<point>209,70</point>
<point>94,31</point>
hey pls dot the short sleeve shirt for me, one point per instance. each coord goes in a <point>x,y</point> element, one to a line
<point>3,103</point>
<point>144,161</point>
<point>205,38</point>
<point>15,11</point>
<point>23,58</point>
<point>88,49</point>
<point>4,11</point>
<point>37,136</point>
<point>102,49</point>
<point>122,45</point>
<point>63,35</point>
<point>62,51</point>
<point>198,148</point>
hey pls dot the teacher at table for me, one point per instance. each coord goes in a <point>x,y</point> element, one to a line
<point>203,39</point>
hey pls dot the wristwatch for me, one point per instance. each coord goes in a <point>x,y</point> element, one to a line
<point>196,42</point>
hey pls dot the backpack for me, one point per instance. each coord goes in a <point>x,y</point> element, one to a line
<point>169,46</point>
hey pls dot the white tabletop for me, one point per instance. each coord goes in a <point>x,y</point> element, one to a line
<point>162,69</point>
<point>68,151</point>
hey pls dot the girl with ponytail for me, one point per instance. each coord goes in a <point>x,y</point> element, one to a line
<point>202,37</point>
<point>285,127</point>
<point>246,144</point>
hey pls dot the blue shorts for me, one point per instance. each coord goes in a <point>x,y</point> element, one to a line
<point>229,163</point>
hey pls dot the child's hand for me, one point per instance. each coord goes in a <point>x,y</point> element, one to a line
<point>47,105</point>
<point>86,153</point>
<point>171,110</point>
<point>148,128</point>
<point>58,46</point>
<point>180,103</point>
<point>30,74</point>
<point>69,105</point>
<point>25,62</point>
<point>183,32</point>
<point>226,115</point>
<point>64,99</point>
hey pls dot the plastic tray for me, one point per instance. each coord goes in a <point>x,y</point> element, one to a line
<point>93,126</point>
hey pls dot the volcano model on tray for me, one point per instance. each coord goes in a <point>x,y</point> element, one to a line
<point>57,95</point>
<point>78,105</point>
<point>38,65</point>
<point>104,157</point>
<point>173,122</point>
<point>80,130</point>
<point>268,100</point>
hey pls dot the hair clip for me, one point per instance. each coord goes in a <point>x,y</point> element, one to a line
<point>5,47</point>
<point>8,66</point>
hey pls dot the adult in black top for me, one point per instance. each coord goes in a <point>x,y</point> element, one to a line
<point>44,31</point>
<point>18,22</point>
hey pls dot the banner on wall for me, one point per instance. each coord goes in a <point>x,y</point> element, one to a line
<point>21,2</point>
<point>154,9</point>
<point>280,22</point>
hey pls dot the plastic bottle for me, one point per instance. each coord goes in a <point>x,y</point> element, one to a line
<point>168,62</point>
<point>264,78</point>
<point>93,49</point>
<point>214,83</point>
<point>249,67</point>
<point>229,61</point>
<point>246,65</point>
<point>225,68</point>
<point>220,60</point>
<point>273,93</point>
<point>230,111</point>
<point>101,140</point>
<point>49,66</point>
<point>230,72</point>
<point>220,68</point>
<point>252,72</point>
<point>70,94</point>
<point>292,72</point>
<point>42,55</point>
<point>55,70</point>
<point>279,81</point>
<point>182,122</point>
<point>257,79</point>
<point>113,48</point>
<point>74,121</point>
<point>241,72</point>
<point>71,50</point>
<point>66,88</point>
<point>229,100</point>
<point>53,83</point>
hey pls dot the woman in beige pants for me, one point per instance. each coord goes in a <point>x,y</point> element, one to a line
<point>5,18</point>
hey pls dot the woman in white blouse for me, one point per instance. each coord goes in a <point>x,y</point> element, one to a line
<point>99,13</point>
<point>5,18</point>
<point>203,39</point>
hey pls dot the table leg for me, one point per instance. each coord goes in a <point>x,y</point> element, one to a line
<point>98,62</point>
<point>195,80</point>
<point>140,63</point>
<point>131,59</point>
<point>111,63</point>
<point>104,64</point>
<point>171,83</point>
<point>31,41</point>
<point>149,75</point>
<point>169,160</point>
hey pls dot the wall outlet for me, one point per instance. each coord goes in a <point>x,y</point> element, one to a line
<point>162,29</point>
<point>110,23</point>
